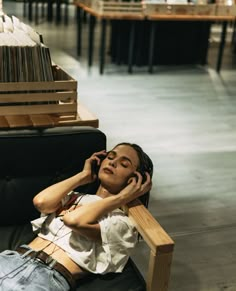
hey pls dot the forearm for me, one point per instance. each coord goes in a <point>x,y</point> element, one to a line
<point>49,199</point>
<point>84,219</point>
<point>91,213</point>
<point>90,231</point>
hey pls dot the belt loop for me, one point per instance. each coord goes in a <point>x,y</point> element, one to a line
<point>28,251</point>
<point>52,262</point>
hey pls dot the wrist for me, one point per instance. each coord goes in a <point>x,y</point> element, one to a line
<point>83,178</point>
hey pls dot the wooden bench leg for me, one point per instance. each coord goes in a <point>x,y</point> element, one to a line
<point>159,271</point>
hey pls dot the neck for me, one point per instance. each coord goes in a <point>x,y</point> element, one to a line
<point>103,192</point>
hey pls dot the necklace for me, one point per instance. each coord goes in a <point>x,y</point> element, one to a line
<point>68,207</point>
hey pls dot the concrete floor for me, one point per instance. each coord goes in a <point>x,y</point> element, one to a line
<point>185,118</point>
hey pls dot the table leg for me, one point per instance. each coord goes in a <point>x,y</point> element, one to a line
<point>36,12</point>
<point>79,31</point>
<point>66,15</point>
<point>222,45</point>
<point>91,39</point>
<point>131,47</point>
<point>204,46</point>
<point>58,13</point>
<point>234,37</point>
<point>102,46</point>
<point>25,7</point>
<point>42,9</point>
<point>50,10</point>
<point>151,47</point>
<point>30,7</point>
<point>118,42</point>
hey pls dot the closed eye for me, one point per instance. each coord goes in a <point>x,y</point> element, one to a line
<point>125,165</point>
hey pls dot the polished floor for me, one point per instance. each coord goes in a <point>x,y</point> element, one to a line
<point>185,118</point>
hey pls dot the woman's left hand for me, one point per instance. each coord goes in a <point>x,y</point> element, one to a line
<point>136,187</point>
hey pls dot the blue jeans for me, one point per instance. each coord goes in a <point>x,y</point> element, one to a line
<point>19,272</point>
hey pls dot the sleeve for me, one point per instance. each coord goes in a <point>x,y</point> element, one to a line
<point>119,237</point>
<point>68,200</point>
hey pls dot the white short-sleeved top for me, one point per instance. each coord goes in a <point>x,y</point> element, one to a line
<point>118,234</point>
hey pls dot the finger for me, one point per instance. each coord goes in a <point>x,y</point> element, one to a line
<point>148,178</point>
<point>94,159</point>
<point>147,185</point>
<point>138,178</point>
<point>132,180</point>
<point>97,154</point>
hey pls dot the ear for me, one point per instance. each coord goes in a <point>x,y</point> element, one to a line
<point>133,175</point>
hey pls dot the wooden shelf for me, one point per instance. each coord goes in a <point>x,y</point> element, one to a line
<point>83,118</point>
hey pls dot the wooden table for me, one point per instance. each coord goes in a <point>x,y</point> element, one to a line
<point>207,18</point>
<point>83,118</point>
<point>104,17</point>
<point>154,19</point>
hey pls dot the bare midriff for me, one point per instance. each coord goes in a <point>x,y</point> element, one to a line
<point>59,255</point>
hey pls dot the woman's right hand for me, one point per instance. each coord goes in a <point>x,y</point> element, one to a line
<point>92,162</point>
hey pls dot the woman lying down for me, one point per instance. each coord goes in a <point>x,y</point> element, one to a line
<point>79,233</point>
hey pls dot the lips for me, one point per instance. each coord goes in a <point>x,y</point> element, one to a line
<point>107,170</point>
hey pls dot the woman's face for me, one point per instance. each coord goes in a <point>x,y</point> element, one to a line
<point>118,166</point>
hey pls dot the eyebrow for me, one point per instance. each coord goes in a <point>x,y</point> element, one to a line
<point>123,157</point>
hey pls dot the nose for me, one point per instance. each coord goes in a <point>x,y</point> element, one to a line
<point>113,163</point>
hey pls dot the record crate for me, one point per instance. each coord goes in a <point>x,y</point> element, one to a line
<point>85,2</point>
<point>115,7</point>
<point>205,9</point>
<point>168,9</point>
<point>225,10</point>
<point>179,9</point>
<point>52,97</point>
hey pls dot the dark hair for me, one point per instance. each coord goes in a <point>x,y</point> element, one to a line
<point>145,165</point>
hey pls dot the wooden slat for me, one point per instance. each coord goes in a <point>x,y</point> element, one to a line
<point>151,231</point>
<point>85,114</point>
<point>65,118</point>
<point>62,81</point>
<point>3,122</point>
<point>18,121</point>
<point>41,120</point>
<point>84,118</point>
<point>37,97</point>
<point>38,86</point>
<point>38,109</point>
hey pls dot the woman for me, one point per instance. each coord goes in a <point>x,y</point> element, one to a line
<point>81,233</point>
